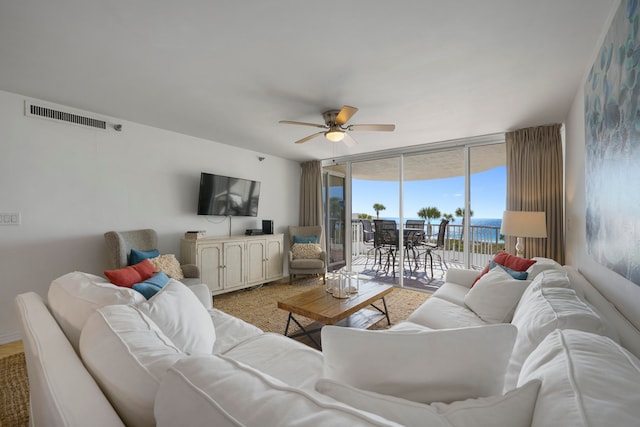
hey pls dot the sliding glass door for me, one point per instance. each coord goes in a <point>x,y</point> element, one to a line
<point>461,186</point>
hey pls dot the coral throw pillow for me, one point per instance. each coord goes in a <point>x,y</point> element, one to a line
<point>129,276</point>
<point>507,260</point>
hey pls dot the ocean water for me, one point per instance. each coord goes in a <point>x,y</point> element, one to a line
<point>482,234</point>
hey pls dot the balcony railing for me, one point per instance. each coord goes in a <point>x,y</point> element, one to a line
<point>484,243</point>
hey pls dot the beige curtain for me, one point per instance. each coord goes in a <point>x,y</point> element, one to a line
<point>311,194</point>
<point>535,183</point>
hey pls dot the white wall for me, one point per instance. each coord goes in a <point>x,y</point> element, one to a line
<point>71,184</point>
<point>622,292</point>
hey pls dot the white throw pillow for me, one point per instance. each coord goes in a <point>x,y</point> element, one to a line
<point>513,409</point>
<point>180,315</point>
<point>74,297</point>
<point>128,355</point>
<point>441,365</point>
<point>219,391</point>
<point>540,313</point>
<point>587,380</point>
<point>495,296</point>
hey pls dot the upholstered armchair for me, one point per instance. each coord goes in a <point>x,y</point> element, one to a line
<point>120,243</point>
<point>307,257</point>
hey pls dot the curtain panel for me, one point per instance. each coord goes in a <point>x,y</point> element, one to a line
<point>535,182</point>
<point>311,193</point>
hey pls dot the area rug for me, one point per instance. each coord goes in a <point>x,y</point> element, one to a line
<point>14,391</point>
<point>259,306</point>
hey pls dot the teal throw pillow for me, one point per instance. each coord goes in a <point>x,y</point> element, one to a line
<point>305,239</point>
<point>137,256</point>
<point>518,275</point>
<point>152,285</point>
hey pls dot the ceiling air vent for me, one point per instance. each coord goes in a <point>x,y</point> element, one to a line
<point>58,114</point>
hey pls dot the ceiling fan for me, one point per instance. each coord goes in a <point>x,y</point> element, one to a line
<point>335,123</point>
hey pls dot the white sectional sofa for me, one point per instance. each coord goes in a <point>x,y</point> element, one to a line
<point>560,355</point>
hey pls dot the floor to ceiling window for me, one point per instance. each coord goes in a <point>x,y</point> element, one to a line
<point>463,184</point>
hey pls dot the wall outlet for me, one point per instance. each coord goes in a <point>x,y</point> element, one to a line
<point>9,218</point>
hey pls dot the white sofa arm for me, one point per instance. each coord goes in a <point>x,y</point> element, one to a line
<point>203,293</point>
<point>462,277</point>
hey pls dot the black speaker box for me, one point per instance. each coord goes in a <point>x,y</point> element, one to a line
<point>267,226</point>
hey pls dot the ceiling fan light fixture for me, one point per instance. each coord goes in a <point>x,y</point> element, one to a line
<point>334,135</point>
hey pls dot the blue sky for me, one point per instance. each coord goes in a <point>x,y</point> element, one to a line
<point>488,195</point>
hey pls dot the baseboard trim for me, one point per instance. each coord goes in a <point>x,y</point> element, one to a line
<point>10,337</point>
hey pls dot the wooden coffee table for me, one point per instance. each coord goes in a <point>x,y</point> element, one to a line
<point>319,305</point>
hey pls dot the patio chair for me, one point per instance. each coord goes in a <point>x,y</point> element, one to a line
<point>432,249</point>
<point>368,238</point>
<point>386,240</point>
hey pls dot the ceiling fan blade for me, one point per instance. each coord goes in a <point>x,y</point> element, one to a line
<point>307,138</point>
<point>372,128</point>
<point>345,114</point>
<point>290,122</point>
<point>348,140</point>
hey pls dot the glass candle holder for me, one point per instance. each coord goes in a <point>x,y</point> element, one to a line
<point>332,281</point>
<point>341,290</point>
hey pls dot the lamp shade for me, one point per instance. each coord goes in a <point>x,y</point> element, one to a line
<point>524,224</point>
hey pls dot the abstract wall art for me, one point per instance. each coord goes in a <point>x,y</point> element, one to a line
<point>612,126</point>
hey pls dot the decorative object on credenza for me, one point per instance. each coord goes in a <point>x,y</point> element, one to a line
<point>267,226</point>
<point>612,147</point>
<point>195,234</point>
<point>523,224</point>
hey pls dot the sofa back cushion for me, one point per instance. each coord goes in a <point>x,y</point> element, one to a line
<point>442,365</point>
<point>128,355</point>
<point>219,391</point>
<point>587,380</point>
<point>539,313</point>
<point>74,297</point>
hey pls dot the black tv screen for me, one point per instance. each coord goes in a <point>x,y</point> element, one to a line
<point>227,196</point>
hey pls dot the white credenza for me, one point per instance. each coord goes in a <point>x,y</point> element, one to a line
<point>236,262</point>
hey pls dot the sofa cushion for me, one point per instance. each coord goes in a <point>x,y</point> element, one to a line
<point>136,256</point>
<point>587,380</point>
<point>542,264</point>
<point>230,331</point>
<point>495,296</point>
<point>219,391</point>
<point>290,361</point>
<point>452,292</point>
<point>513,409</point>
<point>306,263</point>
<point>437,313</point>
<point>128,355</point>
<point>424,366</point>
<point>73,297</point>
<point>541,312</point>
<point>169,264</point>
<point>179,314</point>
<point>132,274</point>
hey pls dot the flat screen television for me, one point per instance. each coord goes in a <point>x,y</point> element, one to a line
<point>227,196</point>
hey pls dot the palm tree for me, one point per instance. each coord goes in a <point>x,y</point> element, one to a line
<point>378,207</point>
<point>429,213</point>
<point>449,216</point>
<point>460,212</point>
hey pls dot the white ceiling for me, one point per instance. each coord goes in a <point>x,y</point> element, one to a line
<point>227,71</point>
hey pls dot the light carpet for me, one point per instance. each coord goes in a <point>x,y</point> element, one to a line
<point>259,306</point>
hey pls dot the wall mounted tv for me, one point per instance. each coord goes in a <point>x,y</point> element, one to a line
<point>227,196</point>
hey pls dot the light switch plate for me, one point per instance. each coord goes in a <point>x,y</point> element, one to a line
<point>9,218</point>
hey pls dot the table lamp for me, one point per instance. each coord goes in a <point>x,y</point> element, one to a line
<point>523,224</point>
